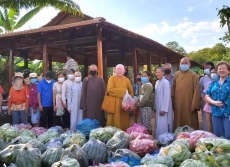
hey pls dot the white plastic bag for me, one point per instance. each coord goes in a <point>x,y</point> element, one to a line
<point>127,102</point>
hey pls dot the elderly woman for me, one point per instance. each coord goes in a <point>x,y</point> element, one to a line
<point>18,101</point>
<point>218,96</point>
<point>163,104</point>
<point>116,88</point>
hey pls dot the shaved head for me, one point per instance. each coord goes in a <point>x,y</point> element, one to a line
<point>120,70</point>
<point>93,67</point>
<point>77,74</point>
<point>185,60</point>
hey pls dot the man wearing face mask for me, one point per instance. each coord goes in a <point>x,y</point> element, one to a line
<point>186,96</point>
<point>66,94</point>
<point>76,114</point>
<point>168,73</point>
<point>45,99</point>
<point>93,92</point>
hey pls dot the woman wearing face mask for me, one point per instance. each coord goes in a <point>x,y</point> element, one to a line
<point>203,82</point>
<point>57,101</point>
<point>18,101</point>
<point>34,109</point>
<point>207,108</point>
<point>218,96</point>
<point>146,100</point>
<point>76,113</point>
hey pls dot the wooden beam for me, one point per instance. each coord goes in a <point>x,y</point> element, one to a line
<point>86,67</point>
<point>11,66</point>
<point>50,63</point>
<point>45,57</point>
<point>99,52</point>
<point>105,68</point>
<point>135,65</point>
<point>149,61</point>
<point>160,60</point>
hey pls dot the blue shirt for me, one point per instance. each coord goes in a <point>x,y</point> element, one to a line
<point>170,80</point>
<point>136,89</point>
<point>46,90</point>
<point>221,93</point>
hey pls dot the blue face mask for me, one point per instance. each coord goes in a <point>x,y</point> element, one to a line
<point>144,79</point>
<point>184,67</point>
<point>214,76</point>
<point>33,80</point>
<point>207,71</point>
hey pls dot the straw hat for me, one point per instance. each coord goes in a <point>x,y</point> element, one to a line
<point>18,74</point>
<point>33,75</point>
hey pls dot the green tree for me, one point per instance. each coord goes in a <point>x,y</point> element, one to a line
<point>64,5</point>
<point>176,47</point>
<point>224,15</point>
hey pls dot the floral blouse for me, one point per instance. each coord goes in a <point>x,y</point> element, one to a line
<point>220,92</point>
<point>60,108</point>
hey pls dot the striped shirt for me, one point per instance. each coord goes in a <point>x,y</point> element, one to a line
<point>71,64</point>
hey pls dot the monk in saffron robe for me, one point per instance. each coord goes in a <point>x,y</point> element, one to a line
<point>186,96</point>
<point>117,86</point>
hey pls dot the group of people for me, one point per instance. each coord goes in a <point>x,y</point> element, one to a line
<point>175,99</point>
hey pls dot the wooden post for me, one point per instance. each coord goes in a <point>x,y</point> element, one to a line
<point>86,67</point>
<point>135,65</point>
<point>11,66</point>
<point>122,50</point>
<point>50,63</point>
<point>160,60</point>
<point>26,62</point>
<point>45,63</point>
<point>105,67</point>
<point>99,53</point>
<point>149,59</point>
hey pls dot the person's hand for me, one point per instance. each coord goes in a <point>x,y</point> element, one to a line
<point>69,111</point>
<point>9,111</point>
<point>218,103</point>
<point>161,113</point>
<point>55,109</point>
<point>27,110</point>
<point>193,109</point>
<point>40,108</point>
<point>64,104</point>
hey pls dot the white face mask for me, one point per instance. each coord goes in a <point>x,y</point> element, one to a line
<point>70,76</point>
<point>61,79</point>
<point>78,79</point>
<point>48,81</point>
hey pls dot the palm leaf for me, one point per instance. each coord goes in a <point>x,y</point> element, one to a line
<point>27,17</point>
<point>7,25</point>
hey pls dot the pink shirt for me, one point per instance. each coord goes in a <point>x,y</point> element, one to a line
<point>33,96</point>
<point>207,107</point>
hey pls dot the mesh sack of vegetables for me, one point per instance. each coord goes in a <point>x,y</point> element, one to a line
<point>7,133</point>
<point>87,125</point>
<point>46,136</point>
<point>183,135</point>
<point>103,134</point>
<point>57,129</point>
<point>22,155</point>
<point>118,141</point>
<point>142,146</point>
<point>66,162</point>
<point>37,144</point>
<point>27,133</point>
<point>56,142</point>
<point>22,126</point>
<point>134,135</point>
<point>2,144</point>
<point>196,135</point>
<point>20,140</point>
<point>177,151</point>
<point>129,160</point>
<point>125,152</point>
<point>137,128</point>
<point>95,150</point>
<point>164,160</point>
<point>38,130</point>
<point>50,156</point>
<point>185,128</point>
<point>184,141</point>
<point>193,163</point>
<point>166,139</point>
<point>74,138</point>
<point>76,152</point>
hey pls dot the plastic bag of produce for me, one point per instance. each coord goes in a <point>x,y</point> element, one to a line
<point>193,163</point>
<point>66,162</point>
<point>38,130</point>
<point>185,128</point>
<point>118,141</point>
<point>166,138</point>
<point>184,141</point>
<point>137,128</point>
<point>27,133</point>
<point>46,136</point>
<point>73,138</point>
<point>129,160</point>
<point>95,150</point>
<point>125,152</point>
<point>76,152</point>
<point>7,132</point>
<point>164,160</point>
<point>57,129</point>
<point>183,135</point>
<point>142,146</point>
<point>103,134</point>
<point>154,165</point>
<point>22,126</point>
<point>51,155</point>
<point>115,164</point>
<point>37,144</point>
<point>87,125</point>
<point>56,142</point>
<point>139,135</point>
<point>196,135</point>
<point>20,140</point>
<point>127,103</point>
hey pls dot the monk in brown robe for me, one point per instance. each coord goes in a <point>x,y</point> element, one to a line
<point>117,86</point>
<point>186,96</point>
<point>92,95</point>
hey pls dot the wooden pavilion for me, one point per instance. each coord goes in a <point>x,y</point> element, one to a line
<point>89,40</point>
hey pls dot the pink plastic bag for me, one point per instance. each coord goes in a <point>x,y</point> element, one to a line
<point>128,103</point>
<point>137,128</point>
<point>38,130</point>
<point>183,135</point>
<point>142,146</point>
<point>22,126</point>
<point>196,135</point>
<point>139,135</point>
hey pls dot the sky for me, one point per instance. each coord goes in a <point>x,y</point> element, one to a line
<point>194,24</point>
